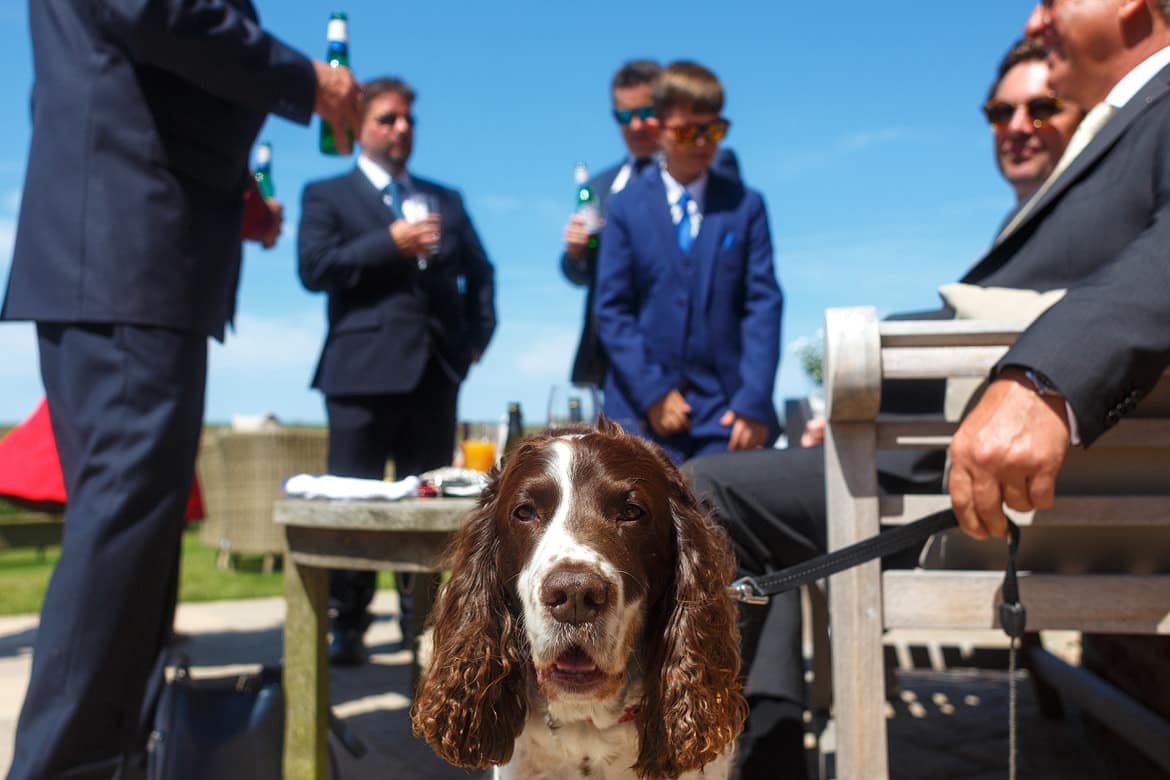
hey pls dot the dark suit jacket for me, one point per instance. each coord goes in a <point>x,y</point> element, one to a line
<point>1102,230</point>
<point>667,318</point>
<point>134,191</point>
<point>387,317</point>
<point>589,363</point>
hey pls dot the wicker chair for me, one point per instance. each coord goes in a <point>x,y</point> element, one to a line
<point>241,474</point>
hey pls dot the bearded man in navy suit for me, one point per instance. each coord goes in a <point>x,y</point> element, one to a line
<point>127,258</point>
<point>410,308</point>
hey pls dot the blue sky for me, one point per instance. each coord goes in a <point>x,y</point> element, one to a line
<point>858,122</point>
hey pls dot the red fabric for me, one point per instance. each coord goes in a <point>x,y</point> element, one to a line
<point>29,469</point>
<point>30,472</point>
<point>257,216</point>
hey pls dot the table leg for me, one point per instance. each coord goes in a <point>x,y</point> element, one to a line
<point>306,671</point>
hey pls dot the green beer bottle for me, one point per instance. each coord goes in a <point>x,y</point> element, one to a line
<point>587,204</point>
<point>263,169</point>
<point>336,54</point>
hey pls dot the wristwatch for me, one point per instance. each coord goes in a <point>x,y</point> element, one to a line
<point>1040,383</point>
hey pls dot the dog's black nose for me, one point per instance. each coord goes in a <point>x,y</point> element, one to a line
<point>574,596</point>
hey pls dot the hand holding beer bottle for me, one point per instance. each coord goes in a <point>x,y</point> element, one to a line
<point>337,133</point>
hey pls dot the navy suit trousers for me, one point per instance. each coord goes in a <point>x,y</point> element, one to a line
<point>126,404</point>
<point>417,430</point>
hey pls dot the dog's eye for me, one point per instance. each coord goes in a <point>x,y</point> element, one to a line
<point>524,513</point>
<point>632,511</point>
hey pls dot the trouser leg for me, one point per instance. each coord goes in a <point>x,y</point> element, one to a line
<point>126,404</point>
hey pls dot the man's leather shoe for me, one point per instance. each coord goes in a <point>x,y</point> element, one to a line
<point>347,648</point>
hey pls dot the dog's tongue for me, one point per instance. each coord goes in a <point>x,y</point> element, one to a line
<point>570,663</point>
<point>575,660</point>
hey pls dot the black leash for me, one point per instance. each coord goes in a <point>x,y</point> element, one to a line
<point>1012,616</point>
<point>756,590</point>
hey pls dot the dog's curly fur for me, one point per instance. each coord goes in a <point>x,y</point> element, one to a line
<point>472,703</point>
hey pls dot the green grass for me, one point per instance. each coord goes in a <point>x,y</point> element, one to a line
<point>24,575</point>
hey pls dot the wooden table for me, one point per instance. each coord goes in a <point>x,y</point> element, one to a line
<point>323,534</point>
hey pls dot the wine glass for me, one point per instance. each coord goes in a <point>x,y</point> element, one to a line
<point>571,404</point>
<point>415,208</point>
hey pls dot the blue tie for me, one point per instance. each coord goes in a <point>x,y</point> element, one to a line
<point>394,193</point>
<point>685,239</point>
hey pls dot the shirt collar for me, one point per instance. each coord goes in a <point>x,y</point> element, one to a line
<point>1137,78</point>
<point>379,176</point>
<point>696,189</point>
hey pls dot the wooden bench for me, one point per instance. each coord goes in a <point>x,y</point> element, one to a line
<point>1113,502</point>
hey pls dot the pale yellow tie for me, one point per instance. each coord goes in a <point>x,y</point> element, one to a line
<point>1093,121</point>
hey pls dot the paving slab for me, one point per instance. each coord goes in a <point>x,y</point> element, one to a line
<point>943,724</point>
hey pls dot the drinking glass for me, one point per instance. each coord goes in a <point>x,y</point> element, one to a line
<point>478,445</point>
<point>570,404</point>
<point>417,207</point>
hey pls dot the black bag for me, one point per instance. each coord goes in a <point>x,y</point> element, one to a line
<point>226,728</point>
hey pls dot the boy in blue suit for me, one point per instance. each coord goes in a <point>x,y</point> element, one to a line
<point>687,302</point>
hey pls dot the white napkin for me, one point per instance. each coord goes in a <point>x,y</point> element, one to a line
<point>330,486</point>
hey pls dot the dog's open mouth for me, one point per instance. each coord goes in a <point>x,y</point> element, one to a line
<point>574,669</point>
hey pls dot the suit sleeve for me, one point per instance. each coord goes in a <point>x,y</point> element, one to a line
<point>332,260</point>
<point>215,46</point>
<point>579,270</point>
<point>616,304</point>
<point>480,277</point>
<point>1107,341</point>
<point>760,325</point>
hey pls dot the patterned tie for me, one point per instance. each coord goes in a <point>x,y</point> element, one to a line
<point>1089,126</point>
<point>392,195</point>
<point>685,239</point>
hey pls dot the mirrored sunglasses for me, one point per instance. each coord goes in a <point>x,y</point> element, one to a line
<point>626,115</point>
<point>713,131</point>
<point>1040,109</point>
<point>391,118</point>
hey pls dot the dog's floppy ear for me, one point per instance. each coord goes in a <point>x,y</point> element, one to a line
<point>470,704</point>
<point>693,708</point>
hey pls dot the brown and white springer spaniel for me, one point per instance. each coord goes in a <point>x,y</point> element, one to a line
<point>585,631</point>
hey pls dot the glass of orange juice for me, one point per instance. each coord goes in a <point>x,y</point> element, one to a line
<point>479,445</point>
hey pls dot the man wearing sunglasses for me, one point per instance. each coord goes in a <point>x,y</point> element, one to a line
<point>687,303</point>
<point>772,501</point>
<point>410,308</point>
<point>1101,228</point>
<point>1031,125</point>
<point>630,91</point>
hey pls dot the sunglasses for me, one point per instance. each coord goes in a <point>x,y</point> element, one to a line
<point>713,131</point>
<point>390,119</point>
<point>1040,109</point>
<point>626,115</point>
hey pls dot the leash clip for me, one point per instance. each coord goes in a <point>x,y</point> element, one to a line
<point>744,591</point>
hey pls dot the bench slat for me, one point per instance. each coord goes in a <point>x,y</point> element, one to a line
<point>935,433</point>
<point>1098,511</point>
<point>1127,604</point>
<point>937,333</point>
